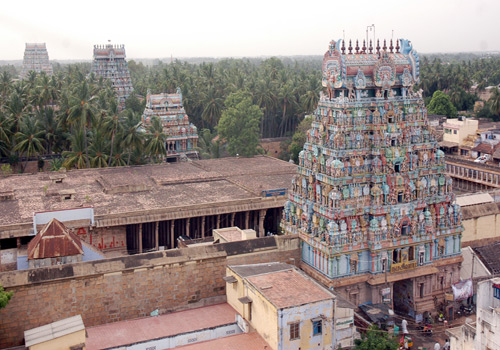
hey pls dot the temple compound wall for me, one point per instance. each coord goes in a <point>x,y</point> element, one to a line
<point>124,288</point>
<point>371,201</point>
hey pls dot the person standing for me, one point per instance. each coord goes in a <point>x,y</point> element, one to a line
<point>437,346</point>
<point>404,326</point>
<point>446,345</point>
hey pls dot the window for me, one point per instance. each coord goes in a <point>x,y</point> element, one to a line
<point>397,167</point>
<point>421,290</point>
<point>421,258</point>
<point>454,132</point>
<point>294,331</point>
<point>317,327</point>
<point>384,264</point>
<point>393,142</point>
<point>404,230</point>
<point>400,197</point>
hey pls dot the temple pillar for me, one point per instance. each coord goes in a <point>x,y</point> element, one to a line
<point>247,217</point>
<point>262,216</point>
<point>218,221</point>
<point>157,226</point>
<point>188,222</point>
<point>172,236</point>
<point>232,219</point>
<point>203,226</point>
<point>140,238</point>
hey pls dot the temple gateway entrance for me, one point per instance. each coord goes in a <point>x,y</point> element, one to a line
<point>403,297</point>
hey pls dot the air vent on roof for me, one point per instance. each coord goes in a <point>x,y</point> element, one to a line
<point>6,196</point>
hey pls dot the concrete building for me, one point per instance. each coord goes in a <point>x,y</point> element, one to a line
<point>182,136</point>
<point>287,308</point>
<point>488,315</point>
<point>36,58</point>
<point>144,208</point>
<point>66,334</point>
<point>209,327</point>
<point>456,130</point>
<point>371,201</point>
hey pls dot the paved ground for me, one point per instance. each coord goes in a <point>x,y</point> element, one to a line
<point>423,341</point>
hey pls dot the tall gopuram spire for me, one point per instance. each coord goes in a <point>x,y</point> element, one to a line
<point>109,62</point>
<point>371,202</point>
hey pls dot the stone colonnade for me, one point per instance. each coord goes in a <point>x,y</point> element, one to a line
<point>472,179</point>
<point>151,236</point>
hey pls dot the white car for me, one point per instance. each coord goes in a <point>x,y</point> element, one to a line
<point>482,159</point>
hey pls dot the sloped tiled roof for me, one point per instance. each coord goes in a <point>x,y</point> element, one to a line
<point>484,148</point>
<point>489,256</point>
<point>54,240</point>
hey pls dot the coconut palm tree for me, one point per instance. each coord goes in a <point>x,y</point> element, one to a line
<point>132,134</point>
<point>83,111</point>
<point>155,140</point>
<point>29,139</point>
<point>77,155</point>
<point>98,149</point>
<point>495,102</point>
<point>112,122</point>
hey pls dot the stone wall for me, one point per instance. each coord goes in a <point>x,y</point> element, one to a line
<point>129,287</point>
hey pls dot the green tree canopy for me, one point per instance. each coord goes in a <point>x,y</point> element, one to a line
<point>441,104</point>
<point>376,339</point>
<point>239,124</point>
<point>4,297</point>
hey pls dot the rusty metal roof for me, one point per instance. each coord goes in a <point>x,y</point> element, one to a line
<point>54,240</point>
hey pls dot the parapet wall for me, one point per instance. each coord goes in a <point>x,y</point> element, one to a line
<point>130,287</point>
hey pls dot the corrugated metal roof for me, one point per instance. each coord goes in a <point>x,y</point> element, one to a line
<point>474,199</point>
<point>53,330</point>
<point>54,240</point>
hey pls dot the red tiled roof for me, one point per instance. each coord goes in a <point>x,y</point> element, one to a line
<point>54,240</point>
<point>144,329</point>
<point>245,341</point>
<point>483,148</point>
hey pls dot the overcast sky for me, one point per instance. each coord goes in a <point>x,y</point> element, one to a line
<point>214,28</point>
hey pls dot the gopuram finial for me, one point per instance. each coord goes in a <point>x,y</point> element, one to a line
<point>397,45</point>
<point>364,46</point>
<point>371,46</point>
<point>343,47</point>
<point>391,47</point>
<point>385,46</point>
<point>378,46</point>
<point>350,47</point>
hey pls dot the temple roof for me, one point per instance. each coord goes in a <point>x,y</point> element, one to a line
<point>54,240</point>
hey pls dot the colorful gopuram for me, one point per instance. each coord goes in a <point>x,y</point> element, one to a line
<point>371,202</point>
<point>182,136</point>
<point>36,58</point>
<point>109,62</point>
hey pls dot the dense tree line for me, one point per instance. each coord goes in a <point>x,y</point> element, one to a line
<point>75,114</point>
<point>285,90</point>
<point>462,80</point>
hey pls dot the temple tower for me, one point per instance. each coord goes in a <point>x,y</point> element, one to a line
<point>182,136</point>
<point>371,202</point>
<point>36,58</point>
<point>109,62</point>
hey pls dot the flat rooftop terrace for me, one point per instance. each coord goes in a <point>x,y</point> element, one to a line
<point>117,192</point>
<point>145,329</point>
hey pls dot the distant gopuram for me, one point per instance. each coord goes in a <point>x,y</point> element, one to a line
<point>109,62</point>
<point>182,136</point>
<point>36,58</point>
<point>371,202</point>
